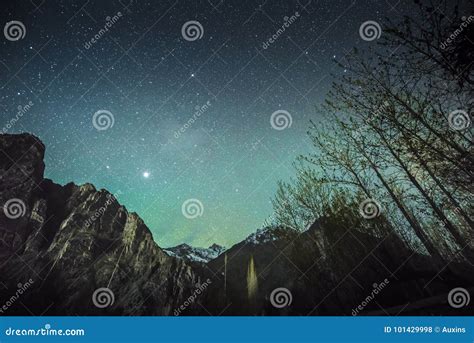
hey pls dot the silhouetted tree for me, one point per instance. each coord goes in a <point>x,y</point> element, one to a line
<point>391,132</point>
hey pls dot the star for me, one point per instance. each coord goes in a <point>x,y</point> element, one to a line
<point>189,133</point>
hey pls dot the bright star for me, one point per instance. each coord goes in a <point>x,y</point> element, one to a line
<point>146,175</point>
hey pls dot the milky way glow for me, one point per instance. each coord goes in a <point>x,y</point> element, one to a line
<point>109,85</point>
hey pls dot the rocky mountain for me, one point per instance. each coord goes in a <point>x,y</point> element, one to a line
<point>262,236</point>
<point>194,254</point>
<point>77,246</point>
<point>74,250</point>
<point>333,270</point>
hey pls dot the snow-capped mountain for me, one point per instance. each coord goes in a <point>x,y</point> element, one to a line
<point>264,235</point>
<point>189,253</point>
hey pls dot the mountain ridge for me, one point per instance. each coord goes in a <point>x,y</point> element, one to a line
<point>86,254</point>
<point>195,254</point>
<point>74,239</point>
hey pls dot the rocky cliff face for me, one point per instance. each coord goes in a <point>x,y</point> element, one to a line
<point>74,250</point>
<point>70,241</point>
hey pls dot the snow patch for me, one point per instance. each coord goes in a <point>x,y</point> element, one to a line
<point>189,253</point>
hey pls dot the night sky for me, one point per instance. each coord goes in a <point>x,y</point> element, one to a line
<point>152,81</point>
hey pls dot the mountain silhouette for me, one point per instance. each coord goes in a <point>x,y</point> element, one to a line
<point>80,252</point>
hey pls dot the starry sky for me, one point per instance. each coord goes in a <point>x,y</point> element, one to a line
<point>152,78</point>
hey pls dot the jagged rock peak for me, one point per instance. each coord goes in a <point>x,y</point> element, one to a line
<point>195,254</point>
<point>76,240</point>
